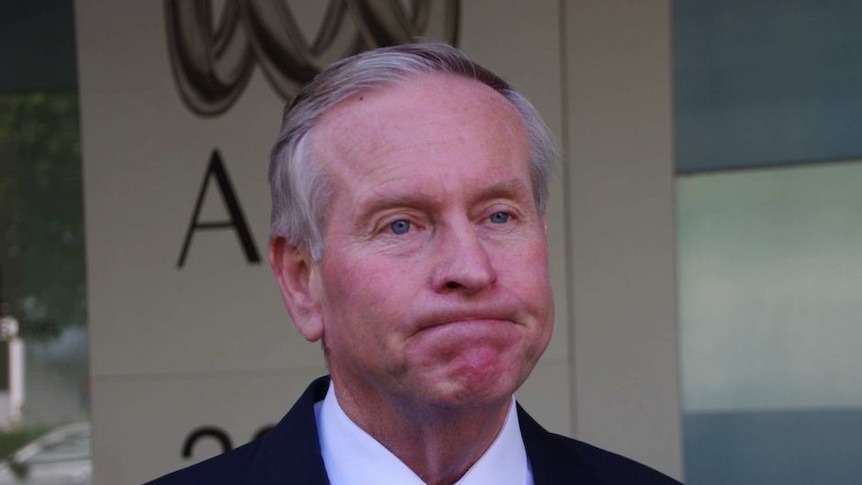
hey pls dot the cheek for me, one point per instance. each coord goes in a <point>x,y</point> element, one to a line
<point>361,298</point>
<point>360,281</point>
<point>531,269</point>
<point>532,281</point>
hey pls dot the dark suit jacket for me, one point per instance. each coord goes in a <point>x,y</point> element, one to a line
<point>290,454</point>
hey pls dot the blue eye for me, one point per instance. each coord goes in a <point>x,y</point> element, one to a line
<point>499,218</point>
<point>400,227</point>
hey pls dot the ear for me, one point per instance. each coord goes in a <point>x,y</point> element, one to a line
<point>295,271</point>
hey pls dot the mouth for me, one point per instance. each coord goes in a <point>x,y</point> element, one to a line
<point>468,319</point>
<point>472,336</point>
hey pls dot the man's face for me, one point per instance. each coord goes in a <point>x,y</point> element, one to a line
<point>433,287</point>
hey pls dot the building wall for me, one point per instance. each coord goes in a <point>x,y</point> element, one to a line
<point>208,343</point>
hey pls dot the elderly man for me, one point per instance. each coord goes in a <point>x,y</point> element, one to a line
<point>409,189</point>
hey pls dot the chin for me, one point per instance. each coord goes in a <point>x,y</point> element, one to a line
<point>476,389</point>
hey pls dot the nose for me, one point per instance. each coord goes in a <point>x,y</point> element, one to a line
<point>463,263</point>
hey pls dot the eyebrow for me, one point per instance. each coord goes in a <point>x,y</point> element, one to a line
<point>383,202</point>
<point>513,189</point>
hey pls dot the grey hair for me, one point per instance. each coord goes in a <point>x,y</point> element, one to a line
<point>299,186</point>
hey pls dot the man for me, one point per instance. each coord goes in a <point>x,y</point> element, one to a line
<point>409,234</point>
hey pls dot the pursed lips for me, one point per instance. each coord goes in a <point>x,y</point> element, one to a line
<point>455,317</point>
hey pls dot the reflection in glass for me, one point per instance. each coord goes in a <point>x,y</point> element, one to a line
<point>44,391</point>
<point>41,257</point>
<point>770,307</point>
<point>60,457</point>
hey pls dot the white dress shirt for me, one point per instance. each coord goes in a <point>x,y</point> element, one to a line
<point>352,457</point>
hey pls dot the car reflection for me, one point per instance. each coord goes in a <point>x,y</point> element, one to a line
<point>60,457</point>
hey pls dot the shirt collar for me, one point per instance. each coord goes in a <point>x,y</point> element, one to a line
<point>353,457</point>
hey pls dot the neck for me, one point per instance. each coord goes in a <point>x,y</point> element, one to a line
<point>439,444</point>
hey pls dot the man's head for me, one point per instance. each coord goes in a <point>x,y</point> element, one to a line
<point>300,190</point>
<point>423,179</point>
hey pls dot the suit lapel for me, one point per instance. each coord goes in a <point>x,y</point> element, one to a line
<point>552,459</point>
<point>290,453</point>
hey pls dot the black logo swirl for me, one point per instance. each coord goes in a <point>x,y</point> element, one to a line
<point>213,54</point>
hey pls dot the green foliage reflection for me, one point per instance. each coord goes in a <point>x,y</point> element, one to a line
<point>41,214</point>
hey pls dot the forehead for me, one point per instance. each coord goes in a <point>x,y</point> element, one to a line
<point>428,114</point>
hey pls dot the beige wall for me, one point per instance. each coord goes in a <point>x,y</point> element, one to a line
<point>620,186</point>
<point>210,344</point>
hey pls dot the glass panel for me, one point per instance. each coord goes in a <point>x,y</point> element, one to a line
<point>44,391</point>
<point>766,82</point>
<point>770,306</point>
<point>68,443</point>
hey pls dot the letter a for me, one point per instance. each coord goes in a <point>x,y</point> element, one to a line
<point>237,220</point>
